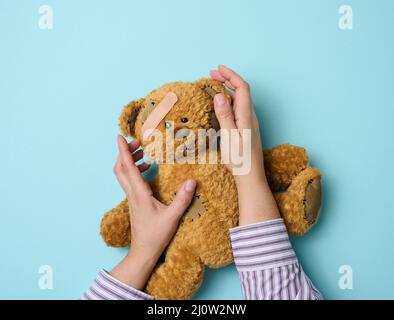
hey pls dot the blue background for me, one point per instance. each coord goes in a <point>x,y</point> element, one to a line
<point>313,84</point>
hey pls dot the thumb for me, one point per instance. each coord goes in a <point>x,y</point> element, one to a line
<point>224,112</point>
<point>183,198</point>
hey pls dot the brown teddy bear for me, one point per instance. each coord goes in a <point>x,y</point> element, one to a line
<point>202,238</point>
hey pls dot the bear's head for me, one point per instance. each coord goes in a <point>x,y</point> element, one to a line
<point>192,111</point>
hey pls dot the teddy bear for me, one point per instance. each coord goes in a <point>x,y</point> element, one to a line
<point>202,238</point>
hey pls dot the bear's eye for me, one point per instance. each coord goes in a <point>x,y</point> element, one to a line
<point>168,125</point>
<point>184,120</point>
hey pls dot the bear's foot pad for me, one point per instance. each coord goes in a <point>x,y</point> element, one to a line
<point>196,208</point>
<point>312,200</point>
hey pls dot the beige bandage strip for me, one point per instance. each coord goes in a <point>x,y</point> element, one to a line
<point>159,112</point>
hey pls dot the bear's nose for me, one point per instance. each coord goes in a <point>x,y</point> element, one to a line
<point>182,132</point>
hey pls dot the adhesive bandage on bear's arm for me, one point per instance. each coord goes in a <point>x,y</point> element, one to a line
<point>158,114</point>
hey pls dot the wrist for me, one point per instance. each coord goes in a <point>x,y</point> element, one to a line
<point>256,201</point>
<point>244,183</point>
<point>135,269</point>
<point>140,262</point>
<point>144,253</point>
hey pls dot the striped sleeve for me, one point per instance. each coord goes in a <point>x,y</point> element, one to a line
<point>106,287</point>
<point>267,264</point>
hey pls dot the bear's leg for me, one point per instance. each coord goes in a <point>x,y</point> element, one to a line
<point>178,277</point>
<point>115,226</point>
<point>300,204</point>
<point>283,163</point>
<point>215,249</point>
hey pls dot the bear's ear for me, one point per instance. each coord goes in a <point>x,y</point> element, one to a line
<point>211,86</point>
<point>129,115</point>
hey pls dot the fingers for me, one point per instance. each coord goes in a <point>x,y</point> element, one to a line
<point>215,74</point>
<point>126,158</point>
<point>125,168</point>
<point>224,112</point>
<point>234,79</point>
<point>143,167</point>
<point>242,99</point>
<point>183,198</point>
<point>118,171</point>
<point>138,154</point>
<point>134,145</point>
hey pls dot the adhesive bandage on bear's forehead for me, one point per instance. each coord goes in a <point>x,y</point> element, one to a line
<point>158,114</point>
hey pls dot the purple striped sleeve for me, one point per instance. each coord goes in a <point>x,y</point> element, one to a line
<point>268,266</point>
<point>106,287</point>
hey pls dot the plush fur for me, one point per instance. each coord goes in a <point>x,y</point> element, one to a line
<point>202,238</point>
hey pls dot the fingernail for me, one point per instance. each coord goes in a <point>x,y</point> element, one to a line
<point>190,185</point>
<point>220,100</point>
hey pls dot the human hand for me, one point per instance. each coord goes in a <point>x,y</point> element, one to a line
<point>256,202</point>
<point>153,223</point>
